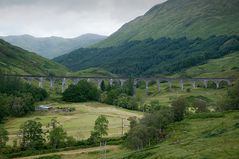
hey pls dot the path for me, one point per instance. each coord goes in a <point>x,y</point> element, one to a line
<point>72,152</point>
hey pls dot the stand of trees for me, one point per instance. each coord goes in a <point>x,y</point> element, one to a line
<point>17,98</point>
<point>114,95</point>
<point>150,130</point>
<point>82,92</point>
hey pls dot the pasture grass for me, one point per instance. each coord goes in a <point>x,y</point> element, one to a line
<point>79,123</point>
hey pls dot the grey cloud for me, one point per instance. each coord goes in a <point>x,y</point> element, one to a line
<point>68,18</point>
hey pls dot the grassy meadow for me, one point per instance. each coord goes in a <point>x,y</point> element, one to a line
<point>79,123</point>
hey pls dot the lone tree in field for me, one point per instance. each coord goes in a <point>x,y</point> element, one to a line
<point>100,129</point>
<point>57,135</point>
<point>31,134</point>
<point>3,137</point>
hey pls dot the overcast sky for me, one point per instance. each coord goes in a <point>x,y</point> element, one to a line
<point>68,18</point>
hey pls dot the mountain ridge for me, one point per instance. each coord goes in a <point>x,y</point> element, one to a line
<point>53,46</point>
<point>178,18</point>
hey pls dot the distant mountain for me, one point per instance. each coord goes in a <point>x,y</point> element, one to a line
<point>14,60</point>
<point>178,18</point>
<point>51,47</point>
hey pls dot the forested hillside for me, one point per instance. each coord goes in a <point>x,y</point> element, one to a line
<point>179,18</point>
<point>14,60</point>
<point>152,57</point>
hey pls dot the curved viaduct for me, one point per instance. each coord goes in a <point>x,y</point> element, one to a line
<point>121,80</point>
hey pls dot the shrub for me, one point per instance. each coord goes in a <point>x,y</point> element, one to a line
<point>200,105</point>
<point>179,108</point>
<point>231,102</point>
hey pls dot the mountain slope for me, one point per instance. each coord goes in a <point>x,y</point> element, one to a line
<point>150,57</point>
<point>227,66</point>
<point>178,18</point>
<point>51,47</point>
<point>14,60</point>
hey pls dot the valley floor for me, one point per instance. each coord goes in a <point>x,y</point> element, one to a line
<point>205,136</point>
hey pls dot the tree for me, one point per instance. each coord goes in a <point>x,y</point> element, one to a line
<point>150,129</point>
<point>102,86</point>
<point>129,87</point>
<point>132,122</point>
<point>31,135</point>
<point>179,108</point>
<point>137,137</point>
<point>5,103</point>
<point>57,135</point>
<point>82,92</point>
<point>3,137</point>
<point>100,129</point>
<point>101,125</point>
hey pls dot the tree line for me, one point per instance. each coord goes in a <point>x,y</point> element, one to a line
<point>33,136</point>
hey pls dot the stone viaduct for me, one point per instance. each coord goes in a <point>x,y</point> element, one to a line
<point>121,80</point>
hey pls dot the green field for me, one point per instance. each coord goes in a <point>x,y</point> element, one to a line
<point>79,123</point>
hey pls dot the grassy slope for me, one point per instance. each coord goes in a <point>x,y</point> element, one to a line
<point>93,72</point>
<point>14,60</point>
<point>201,138</point>
<point>227,66</point>
<point>178,18</point>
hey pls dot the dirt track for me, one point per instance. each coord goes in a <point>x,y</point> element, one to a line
<point>72,152</point>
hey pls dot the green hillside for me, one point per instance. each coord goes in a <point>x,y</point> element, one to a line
<point>178,18</point>
<point>14,60</point>
<point>198,138</point>
<point>227,66</point>
<point>164,56</point>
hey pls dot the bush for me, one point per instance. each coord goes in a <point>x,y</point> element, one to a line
<point>82,92</point>
<point>179,108</point>
<point>200,106</point>
<point>232,100</point>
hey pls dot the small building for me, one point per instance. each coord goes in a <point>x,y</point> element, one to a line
<point>43,108</point>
